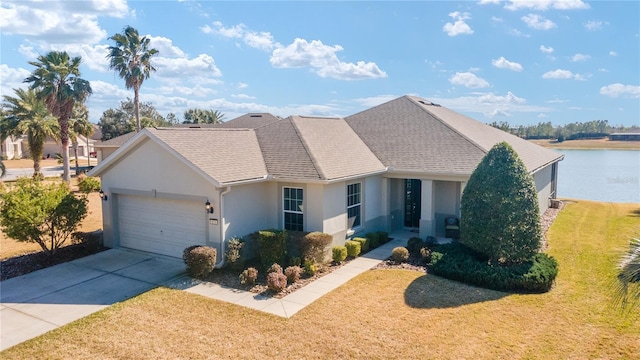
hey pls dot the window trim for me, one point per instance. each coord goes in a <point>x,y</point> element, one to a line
<point>359,204</point>
<point>284,211</point>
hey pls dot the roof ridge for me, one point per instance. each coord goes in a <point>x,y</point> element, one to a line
<point>445,123</point>
<point>314,160</point>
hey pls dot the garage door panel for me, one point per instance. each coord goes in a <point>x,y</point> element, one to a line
<point>163,226</point>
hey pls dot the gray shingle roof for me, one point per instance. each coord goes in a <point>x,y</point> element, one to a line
<point>226,155</point>
<point>250,121</point>
<point>410,134</point>
<point>335,149</point>
<point>116,141</point>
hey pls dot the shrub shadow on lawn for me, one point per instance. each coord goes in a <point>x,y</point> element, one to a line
<point>430,291</point>
<point>635,213</point>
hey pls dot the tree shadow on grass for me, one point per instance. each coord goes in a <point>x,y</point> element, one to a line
<point>634,213</point>
<point>429,291</point>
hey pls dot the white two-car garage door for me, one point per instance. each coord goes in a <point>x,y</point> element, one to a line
<point>163,226</point>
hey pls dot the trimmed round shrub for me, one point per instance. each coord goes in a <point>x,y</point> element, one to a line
<point>383,236</point>
<point>374,240</point>
<point>364,244</point>
<point>414,245</point>
<point>293,273</point>
<point>500,217</point>
<point>314,246</point>
<point>200,260</point>
<point>276,282</point>
<point>425,254</point>
<point>272,246</point>
<point>353,248</point>
<point>249,276</point>
<point>274,268</point>
<point>339,253</point>
<point>399,254</point>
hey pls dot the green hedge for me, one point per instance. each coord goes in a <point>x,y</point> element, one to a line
<point>374,240</point>
<point>272,247</point>
<point>457,262</point>
<point>364,244</point>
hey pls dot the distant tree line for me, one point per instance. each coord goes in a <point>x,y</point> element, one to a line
<point>594,129</point>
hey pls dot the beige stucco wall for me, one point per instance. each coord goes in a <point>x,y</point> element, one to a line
<point>151,170</point>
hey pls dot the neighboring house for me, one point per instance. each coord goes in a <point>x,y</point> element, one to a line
<point>107,147</point>
<point>52,147</point>
<point>11,148</point>
<point>624,137</point>
<point>402,164</point>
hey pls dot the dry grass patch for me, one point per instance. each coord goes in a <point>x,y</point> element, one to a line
<point>387,314</point>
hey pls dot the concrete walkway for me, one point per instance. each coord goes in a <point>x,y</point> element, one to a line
<point>298,300</point>
<point>35,303</point>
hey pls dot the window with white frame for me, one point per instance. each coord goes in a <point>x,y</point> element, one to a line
<point>292,207</point>
<point>354,205</point>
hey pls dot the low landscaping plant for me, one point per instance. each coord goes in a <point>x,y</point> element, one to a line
<point>457,262</point>
<point>233,255</point>
<point>399,254</point>
<point>364,244</point>
<point>314,246</point>
<point>293,274</point>
<point>274,268</point>
<point>339,253</point>
<point>249,276</point>
<point>88,184</point>
<point>200,260</point>
<point>276,281</point>
<point>353,248</point>
<point>383,236</point>
<point>374,239</point>
<point>414,245</point>
<point>310,268</point>
<point>271,246</point>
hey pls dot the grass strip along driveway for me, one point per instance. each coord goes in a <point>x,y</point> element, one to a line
<point>388,314</point>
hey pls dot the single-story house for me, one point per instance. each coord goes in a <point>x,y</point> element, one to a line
<point>624,137</point>
<point>107,147</point>
<point>400,165</point>
<point>11,148</point>
<point>51,147</point>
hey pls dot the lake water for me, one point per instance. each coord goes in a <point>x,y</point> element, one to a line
<point>600,175</point>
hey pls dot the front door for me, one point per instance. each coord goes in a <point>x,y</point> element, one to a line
<point>412,203</point>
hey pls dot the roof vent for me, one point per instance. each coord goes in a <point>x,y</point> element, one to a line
<point>424,102</point>
<point>255,115</point>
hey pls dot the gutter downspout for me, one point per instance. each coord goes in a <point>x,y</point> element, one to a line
<point>221,249</point>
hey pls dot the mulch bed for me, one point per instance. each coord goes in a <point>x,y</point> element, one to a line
<point>34,261</point>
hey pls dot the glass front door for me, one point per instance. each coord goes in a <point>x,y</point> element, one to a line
<point>412,203</point>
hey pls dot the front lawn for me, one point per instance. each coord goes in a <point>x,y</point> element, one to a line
<point>386,314</point>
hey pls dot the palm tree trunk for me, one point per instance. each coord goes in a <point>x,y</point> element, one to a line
<point>75,152</point>
<point>136,108</point>
<point>64,138</point>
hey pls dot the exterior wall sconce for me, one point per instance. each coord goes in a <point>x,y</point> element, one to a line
<point>208,207</point>
<point>103,196</point>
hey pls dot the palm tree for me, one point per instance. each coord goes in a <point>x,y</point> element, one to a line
<point>131,58</point>
<point>28,114</point>
<point>199,116</point>
<point>628,287</point>
<point>79,125</point>
<point>57,77</point>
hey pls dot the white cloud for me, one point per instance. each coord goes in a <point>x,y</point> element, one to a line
<point>93,56</point>
<point>563,74</point>
<point>546,50</point>
<point>593,25</point>
<point>28,52</point>
<point>165,46</point>
<point>518,33</point>
<point>243,96</point>
<point>374,100</point>
<point>497,113</point>
<point>557,101</point>
<point>580,57</point>
<point>242,85</point>
<point>616,90</point>
<point>59,22</point>
<point>546,4</point>
<point>459,26</point>
<point>322,59</point>
<point>11,78</point>
<point>497,19</point>
<point>542,116</point>
<point>603,70</point>
<point>502,63</point>
<point>263,40</point>
<point>484,2</point>
<point>538,22</point>
<point>235,31</point>
<point>469,80</point>
<point>202,65</point>
<point>197,91</point>
<point>487,103</point>
<point>613,53</point>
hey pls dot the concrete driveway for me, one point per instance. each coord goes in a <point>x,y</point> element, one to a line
<point>35,303</point>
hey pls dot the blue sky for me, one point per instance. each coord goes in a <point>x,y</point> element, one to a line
<point>518,61</point>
